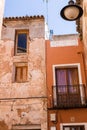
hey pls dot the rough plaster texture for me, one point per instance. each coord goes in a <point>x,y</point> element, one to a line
<point>31,109</point>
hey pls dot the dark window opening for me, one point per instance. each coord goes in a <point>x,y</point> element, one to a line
<point>22,43</point>
<point>73,128</point>
<point>21,39</point>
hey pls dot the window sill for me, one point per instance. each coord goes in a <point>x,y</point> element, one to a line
<point>24,82</point>
<point>17,54</point>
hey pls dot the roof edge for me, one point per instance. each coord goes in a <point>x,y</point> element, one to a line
<point>24,17</point>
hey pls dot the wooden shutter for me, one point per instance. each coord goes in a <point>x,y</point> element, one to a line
<point>21,74</point>
<point>24,73</point>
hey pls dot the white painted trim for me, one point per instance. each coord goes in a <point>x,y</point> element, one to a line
<point>73,124</point>
<point>79,73</point>
<point>61,43</point>
<point>53,128</point>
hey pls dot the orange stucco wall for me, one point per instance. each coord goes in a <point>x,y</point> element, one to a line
<point>68,116</point>
<point>63,55</point>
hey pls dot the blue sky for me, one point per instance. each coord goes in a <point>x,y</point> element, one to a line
<point>50,10</point>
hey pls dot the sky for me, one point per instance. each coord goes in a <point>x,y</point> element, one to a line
<point>50,10</point>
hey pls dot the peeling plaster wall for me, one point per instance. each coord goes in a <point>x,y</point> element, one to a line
<point>31,109</point>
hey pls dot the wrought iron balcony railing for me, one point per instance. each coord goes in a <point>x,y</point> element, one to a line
<point>68,96</point>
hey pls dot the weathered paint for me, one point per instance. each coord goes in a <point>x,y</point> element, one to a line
<point>3,126</point>
<point>31,108</point>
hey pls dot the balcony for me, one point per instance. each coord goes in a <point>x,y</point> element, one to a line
<point>68,96</point>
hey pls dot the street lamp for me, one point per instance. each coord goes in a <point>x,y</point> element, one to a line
<point>71,12</point>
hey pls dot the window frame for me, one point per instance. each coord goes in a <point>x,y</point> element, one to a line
<point>21,66</point>
<point>74,126</point>
<point>67,65</point>
<point>17,32</point>
<point>79,75</point>
<point>67,89</point>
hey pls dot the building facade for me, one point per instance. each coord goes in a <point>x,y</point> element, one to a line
<point>66,83</point>
<point>22,74</point>
<point>29,64</point>
<point>2,3</point>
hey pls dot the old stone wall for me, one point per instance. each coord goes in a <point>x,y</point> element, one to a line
<point>23,103</point>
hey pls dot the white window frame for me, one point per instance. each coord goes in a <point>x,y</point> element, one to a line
<point>79,75</point>
<point>73,124</point>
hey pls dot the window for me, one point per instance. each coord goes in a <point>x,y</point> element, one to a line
<point>73,128</point>
<point>66,92</point>
<point>21,39</point>
<point>67,79</point>
<point>21,72</point>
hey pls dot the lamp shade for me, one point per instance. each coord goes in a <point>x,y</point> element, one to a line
<point>71,12</point>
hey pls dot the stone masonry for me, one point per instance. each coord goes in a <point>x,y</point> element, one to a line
<point>23,104</point>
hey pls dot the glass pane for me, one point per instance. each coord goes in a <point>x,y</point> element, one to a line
<point>73,128</point>
<point>67,77</point>
<point>72,76</point>
<point>22,43</point>
<point>61,80</point>
<point>66,128</point>
<point>61,77</point>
